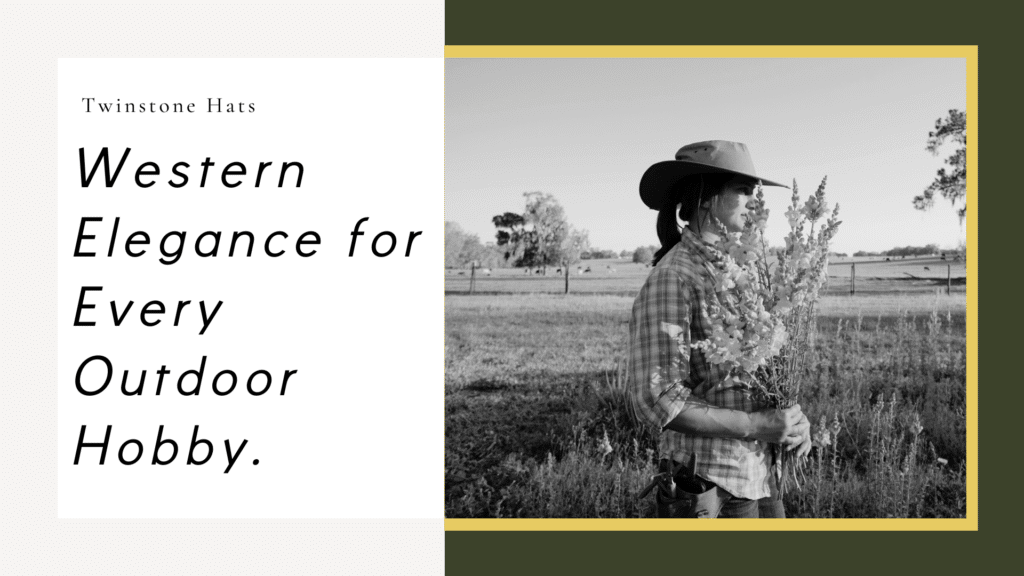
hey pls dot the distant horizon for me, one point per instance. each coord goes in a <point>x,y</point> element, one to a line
<point>584,130</point>
<point>492,241</point>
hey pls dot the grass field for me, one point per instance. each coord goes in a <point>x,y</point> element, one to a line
<point>536,425</point>
<point>873,276</point>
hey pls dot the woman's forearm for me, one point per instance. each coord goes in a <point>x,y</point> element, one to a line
<point>786,426</point>
<point>698,418</point>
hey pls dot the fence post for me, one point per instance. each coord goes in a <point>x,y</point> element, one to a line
<point>472,276</point>
<point>949,280</point>
<point>853,278</point>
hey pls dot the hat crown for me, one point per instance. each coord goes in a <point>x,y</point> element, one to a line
<point>732,156</point>
<point>710,157</point>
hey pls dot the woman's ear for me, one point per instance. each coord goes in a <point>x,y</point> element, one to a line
<point>679,221</point>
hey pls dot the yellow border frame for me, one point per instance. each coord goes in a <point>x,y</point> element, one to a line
<point>970,53</point>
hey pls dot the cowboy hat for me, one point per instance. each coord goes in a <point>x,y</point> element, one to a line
<point>711,157</point>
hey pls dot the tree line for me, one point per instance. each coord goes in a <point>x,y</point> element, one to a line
<point>540,236</point>
<point>904,251</point>
<point>462,248</point>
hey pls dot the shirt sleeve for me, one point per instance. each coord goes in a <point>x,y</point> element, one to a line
<point>659,347</point>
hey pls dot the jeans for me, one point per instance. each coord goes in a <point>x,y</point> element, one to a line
<point>771,507</point>
<point>713,501</point>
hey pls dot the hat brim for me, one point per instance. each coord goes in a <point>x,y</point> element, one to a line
<point>659,179</point>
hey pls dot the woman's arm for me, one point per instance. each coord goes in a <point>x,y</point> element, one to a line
<point>660,357</point>
<point>699,418</point>
<point>659,347</point>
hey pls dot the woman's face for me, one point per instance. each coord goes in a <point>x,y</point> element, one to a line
<point>730,206</point>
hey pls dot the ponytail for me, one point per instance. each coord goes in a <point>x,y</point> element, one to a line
<point>668,232</point>
<point>687,194</point>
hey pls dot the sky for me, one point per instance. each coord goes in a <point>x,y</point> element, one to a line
<point>585,130</point>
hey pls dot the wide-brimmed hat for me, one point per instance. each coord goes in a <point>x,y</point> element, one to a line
<point>711,157</point>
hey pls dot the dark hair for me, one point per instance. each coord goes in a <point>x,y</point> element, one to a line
<point>691,191</point>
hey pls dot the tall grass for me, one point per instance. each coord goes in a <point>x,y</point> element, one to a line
<point>556,437</point>
<point>591,480</point>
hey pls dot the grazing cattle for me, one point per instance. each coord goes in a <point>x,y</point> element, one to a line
<point>462,273</point>
<point>888,259</point>
<point>611,270</point>
<point>943,256</point>
<point>538,271</point>
<point>927,268</point>
<point>487,271</point>
<point>587,270</point>
<point>579,270</point>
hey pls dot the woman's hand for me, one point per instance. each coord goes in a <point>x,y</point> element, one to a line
<point>786,427</point>
<point>803,447</point>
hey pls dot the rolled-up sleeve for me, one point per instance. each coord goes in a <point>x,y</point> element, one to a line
<point>659,347</point>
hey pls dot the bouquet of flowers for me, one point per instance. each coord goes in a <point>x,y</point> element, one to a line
<point>764,333</point>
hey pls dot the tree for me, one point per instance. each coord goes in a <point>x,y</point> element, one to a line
<point>570,251</point>
<point>546,218</point>
<point>904,251</point>
<point>541,236</point>
<point>515,239</point>
<point>625,254</point>
<point>492,257</point>
<point>598,254</point>
<point>951,185</point>
<point>472,251</point>
<point>461,248</point>
<point>643,255</point>
<point>454,240</point>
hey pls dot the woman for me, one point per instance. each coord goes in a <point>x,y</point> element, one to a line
<point>715,440</point>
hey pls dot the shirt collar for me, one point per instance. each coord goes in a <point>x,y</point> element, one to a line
<point>696,245</point>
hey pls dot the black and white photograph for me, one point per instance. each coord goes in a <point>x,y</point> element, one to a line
<point>706,287</point>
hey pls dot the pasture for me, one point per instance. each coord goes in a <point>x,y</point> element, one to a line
<point>620,276</point>
<point>536,423</point>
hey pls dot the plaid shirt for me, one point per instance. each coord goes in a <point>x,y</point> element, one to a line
<point>669,314</point>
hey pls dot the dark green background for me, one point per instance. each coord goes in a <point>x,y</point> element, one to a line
<point>998,35</point>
